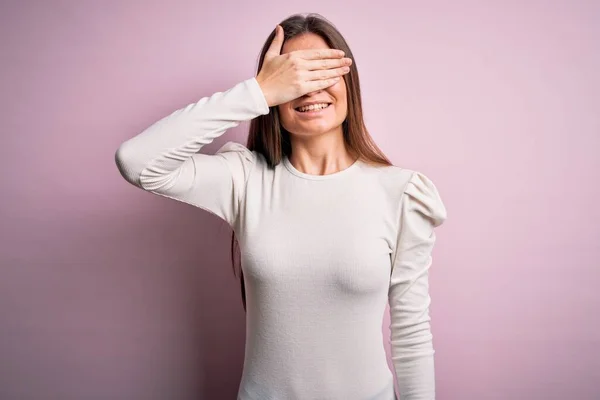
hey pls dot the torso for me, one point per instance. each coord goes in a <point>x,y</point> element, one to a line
<point>316,262</point>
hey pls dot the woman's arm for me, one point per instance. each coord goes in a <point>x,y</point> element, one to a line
<point>164,158</point>
<point>411,340</point>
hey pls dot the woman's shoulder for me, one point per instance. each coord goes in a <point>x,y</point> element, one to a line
<point>391,178</point>
<point>235,149</point>
<point>239,156</point>
<point>405,184</point>
<point>240,160</point>
<point>415,191</point>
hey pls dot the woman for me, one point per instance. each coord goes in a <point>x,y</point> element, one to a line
<point>328,229</point>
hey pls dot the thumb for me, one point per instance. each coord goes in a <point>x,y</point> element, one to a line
<point>276,44</point>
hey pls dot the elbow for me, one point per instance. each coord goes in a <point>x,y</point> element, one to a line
<point>125,161</point>
<point>413,346</point>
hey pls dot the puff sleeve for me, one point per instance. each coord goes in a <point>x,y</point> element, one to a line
<point>164,158</point>
<point>421,210</point>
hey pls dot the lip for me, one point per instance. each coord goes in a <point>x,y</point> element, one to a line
<point>314,113</point>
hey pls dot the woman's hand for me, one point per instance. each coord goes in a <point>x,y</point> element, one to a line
<point>285,77</point>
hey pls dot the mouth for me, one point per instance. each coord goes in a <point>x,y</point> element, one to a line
<point>310,112</point>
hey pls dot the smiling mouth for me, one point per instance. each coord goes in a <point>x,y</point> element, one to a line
<point>312,111</point>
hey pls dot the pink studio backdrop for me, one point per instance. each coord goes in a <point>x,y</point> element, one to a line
<point>107,292</point>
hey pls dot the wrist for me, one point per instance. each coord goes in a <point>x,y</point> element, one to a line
<point>264,92</point>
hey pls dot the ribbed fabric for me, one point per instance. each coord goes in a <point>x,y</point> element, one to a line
<point>321,254</point>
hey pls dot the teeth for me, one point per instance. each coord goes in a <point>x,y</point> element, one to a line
<point>313,107</point>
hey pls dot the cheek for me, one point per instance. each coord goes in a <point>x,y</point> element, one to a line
<point>285,113</point>
<point>338,91</point>
<point>341,104</point>
<point>342,112</point>
<point>287,118</point>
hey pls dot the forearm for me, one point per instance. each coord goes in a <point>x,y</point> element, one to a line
<point>150,158</point>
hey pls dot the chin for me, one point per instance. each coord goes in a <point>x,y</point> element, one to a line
<point>306,131</point>
<point>313,127</point>
<point>316,128</point>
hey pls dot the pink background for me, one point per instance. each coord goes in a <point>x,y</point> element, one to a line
<point>107,292</point>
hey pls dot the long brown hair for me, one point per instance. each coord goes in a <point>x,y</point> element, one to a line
<point>269,138</point>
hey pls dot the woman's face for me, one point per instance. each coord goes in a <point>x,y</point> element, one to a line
<point>326,120</point>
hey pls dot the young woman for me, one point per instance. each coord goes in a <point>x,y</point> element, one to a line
<point>328,229</point>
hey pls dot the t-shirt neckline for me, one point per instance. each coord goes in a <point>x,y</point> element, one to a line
<point>300,174</point>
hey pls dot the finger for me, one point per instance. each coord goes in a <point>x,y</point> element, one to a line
<point>327,63</point>
<point>276,44</point>
<point>315,54</point>
<point>326,73</point>
<point>322,84</point>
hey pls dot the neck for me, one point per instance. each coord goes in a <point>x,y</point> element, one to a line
<point>320,154</point>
